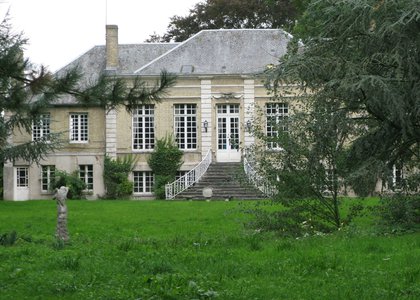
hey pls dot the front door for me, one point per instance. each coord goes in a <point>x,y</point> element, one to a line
<point>228,133</point>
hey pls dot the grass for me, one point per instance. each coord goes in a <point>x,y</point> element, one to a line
<point>193,250</point>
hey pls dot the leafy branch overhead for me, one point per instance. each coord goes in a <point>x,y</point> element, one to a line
<point>27,91</point>
<point>232,14</point>
<point>365,54</point>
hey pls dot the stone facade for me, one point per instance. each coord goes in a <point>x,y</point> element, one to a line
<point>216,78</point>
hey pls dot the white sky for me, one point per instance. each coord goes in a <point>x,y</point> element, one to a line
<point>59,31</point>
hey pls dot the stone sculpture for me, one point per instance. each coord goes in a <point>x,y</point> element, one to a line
<point>61,197</point>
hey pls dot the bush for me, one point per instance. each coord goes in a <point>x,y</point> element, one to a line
<point>8,239</point>
<point>72,181</point>
<point>159,185</point>
<point>116,173</point>
<point>400,212</point>
<point>294,221</point>
<point>164,161</point>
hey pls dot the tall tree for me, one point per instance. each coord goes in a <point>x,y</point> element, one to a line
<point>26,91</point>
<point>216,14</point>
<point>365,54</point>
<point>302,157</point>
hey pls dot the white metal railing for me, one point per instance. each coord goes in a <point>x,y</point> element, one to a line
<point>193,176</point>
<point>257,180</point>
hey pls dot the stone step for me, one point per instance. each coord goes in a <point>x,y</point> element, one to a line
<point>224,181</point>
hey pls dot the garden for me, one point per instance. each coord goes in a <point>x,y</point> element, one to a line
<point>197,250</point>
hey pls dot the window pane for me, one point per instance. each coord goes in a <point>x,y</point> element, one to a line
<point>22,177</point>
<point>186,126</point>
<point>143,182</point>
<point>276,114</point>
<point>143,128</point>
<point>41,127</point>
<point>79,127</point>
<point>47,175</point>
<point>86,174</point>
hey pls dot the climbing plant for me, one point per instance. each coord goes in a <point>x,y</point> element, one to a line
<point>164,161</point>
<point>116,173</point>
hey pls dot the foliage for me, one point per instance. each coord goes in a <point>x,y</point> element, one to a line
<point>232,14</point>
<point>357,69</point>
<point>195,250</point>
<point>8,239</point>
<point>1,183</point>
<point>115,174</point>
<point>306,165</point>
<point>164,161</point>
<point>26,91</point>
<point>364,54</point>
<point>294,221</point>
<point>400,211</point>
<point>72,181</point>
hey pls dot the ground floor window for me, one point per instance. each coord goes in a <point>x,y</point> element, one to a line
<point>86,174</point>
<point>143,182</point>
<point>22,177</point>
<point>47,175</point>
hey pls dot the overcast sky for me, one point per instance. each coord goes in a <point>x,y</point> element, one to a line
<point>59,31</point>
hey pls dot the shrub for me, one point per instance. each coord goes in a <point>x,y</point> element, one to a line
<point>164,161</point>
<point>8,239</point>
<point>72,181</point>
<point>400,211</point>
<point>294,221</point>
<point>116,173</point>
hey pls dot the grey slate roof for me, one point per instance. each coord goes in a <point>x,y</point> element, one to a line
<point>209,52</point>
<point>224,51</point>
<point>92,63</point>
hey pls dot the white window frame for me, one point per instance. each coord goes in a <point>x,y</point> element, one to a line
<point>47,175</point>
<point>185,126</point>
<point>397,176</point>
<point>22,181</point>
<point>143,132</point>
<point>143,182</point>
<point>41,127</point>
<point>79,128</point>
<point>86,174</point>
<point>277,112</point>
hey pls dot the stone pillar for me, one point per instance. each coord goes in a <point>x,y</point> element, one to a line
<point>111,133</point>
<point>206,115</point>
<point>112,62</point>
<point>249,103</point>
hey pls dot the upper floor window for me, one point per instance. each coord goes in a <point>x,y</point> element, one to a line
<point>86,174</point>
<point>47,175</point>
<point>144,127</point>
<point>41,127</point>
<point>79,128</point>
<point>185,116</point>
<point>276,114</point>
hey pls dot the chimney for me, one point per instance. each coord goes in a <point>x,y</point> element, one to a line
<point>112,47</point>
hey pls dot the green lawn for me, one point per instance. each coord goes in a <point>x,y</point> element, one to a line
<point>193,250</point>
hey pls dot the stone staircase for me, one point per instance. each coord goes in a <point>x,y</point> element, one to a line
<point>223,181</point>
